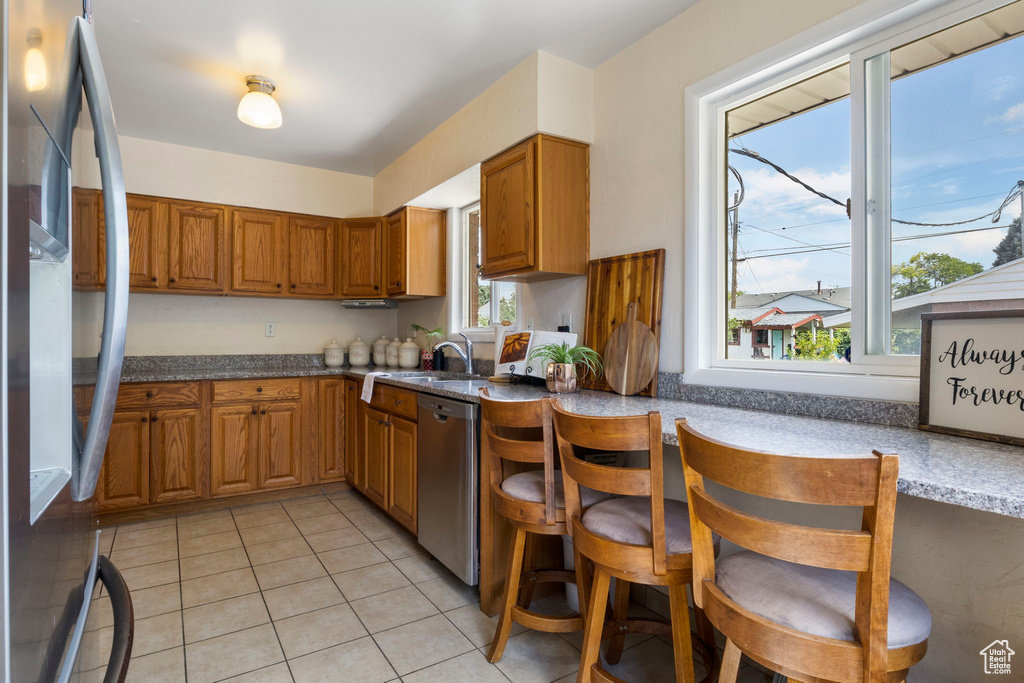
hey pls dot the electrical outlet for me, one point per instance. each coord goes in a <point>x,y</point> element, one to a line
<point>270,329</point>
<point>529,323</point>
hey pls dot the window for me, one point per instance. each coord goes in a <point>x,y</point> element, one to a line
<point>486,304</point>
<point>840,200</point>
<point>734,335</point>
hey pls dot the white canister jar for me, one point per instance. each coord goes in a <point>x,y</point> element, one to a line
<point>409,354</point>
<point>334,354</point>
<point>380,350</point>
<point>359,353</point>
<point>392,353</point>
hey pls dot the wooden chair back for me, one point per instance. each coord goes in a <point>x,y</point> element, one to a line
<point>628,433</point>
<point>521,432</point>
<point>867,481</point>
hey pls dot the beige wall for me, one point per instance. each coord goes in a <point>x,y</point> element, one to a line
<point>180,325</point>
<point>636,161</point>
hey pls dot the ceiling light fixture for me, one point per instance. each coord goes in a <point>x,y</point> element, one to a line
<point>258,108</point>
<point>35,62</point>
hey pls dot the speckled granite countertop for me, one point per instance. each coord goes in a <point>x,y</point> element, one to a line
<point>975,474</point>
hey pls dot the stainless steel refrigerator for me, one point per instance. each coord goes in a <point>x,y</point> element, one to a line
<point>58,128</point>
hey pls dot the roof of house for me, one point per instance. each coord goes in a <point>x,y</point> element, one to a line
<point>834,296</point>
<point>786,320</point>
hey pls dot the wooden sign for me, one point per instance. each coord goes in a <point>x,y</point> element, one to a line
<point>972,374</point>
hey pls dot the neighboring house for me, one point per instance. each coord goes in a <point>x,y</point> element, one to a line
<point>769,322</point>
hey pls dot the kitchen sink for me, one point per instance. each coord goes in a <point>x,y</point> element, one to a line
<point>435,377</point>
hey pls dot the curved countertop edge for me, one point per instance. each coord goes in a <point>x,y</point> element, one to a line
<point>981,475</point>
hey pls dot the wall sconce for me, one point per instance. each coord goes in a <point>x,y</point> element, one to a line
<point>35,62</point>
<point>258,108</point>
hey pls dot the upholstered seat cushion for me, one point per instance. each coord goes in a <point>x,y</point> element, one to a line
<point>529,486</point>
<point>628,520</point>
<point>817,601</point>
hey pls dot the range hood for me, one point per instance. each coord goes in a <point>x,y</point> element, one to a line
<point>369,303</point>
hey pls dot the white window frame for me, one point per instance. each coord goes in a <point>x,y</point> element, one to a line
<point>873,373</point>
<point>460,274</point>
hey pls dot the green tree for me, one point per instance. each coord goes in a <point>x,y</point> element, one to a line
<point>906,341</point>
<point>1009,248</point>
<point>483,297</point>
<point>822,346</point>
<point>928,270</point>
<point>507,307</point>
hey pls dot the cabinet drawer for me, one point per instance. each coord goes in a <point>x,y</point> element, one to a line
<point>396,401</point>
<point>234,391</point>
<point>158,395</point>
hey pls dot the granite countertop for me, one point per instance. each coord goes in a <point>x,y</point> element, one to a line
<point>976,474</point>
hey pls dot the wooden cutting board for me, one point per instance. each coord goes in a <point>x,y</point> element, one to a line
<point>612,284</point>
<point>630,356</point>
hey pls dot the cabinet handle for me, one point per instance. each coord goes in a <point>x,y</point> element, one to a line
<point>149,394</point>
<point>293,286</point>
<point>259,390</point>
<point>154,419</point>
<point>172,280</point>
<point>153,279</point>
<point>398,402</point>
<point>143,419</point>
<point>279,285</point>
<point>253,411</point>
<point>263,412</point>
<point>376,288</point>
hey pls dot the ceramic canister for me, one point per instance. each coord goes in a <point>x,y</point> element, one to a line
<point>392,353</point>
<point>334,354</point>
<point>409,354</point>
<point>380,350</point>
<point>359,353</point>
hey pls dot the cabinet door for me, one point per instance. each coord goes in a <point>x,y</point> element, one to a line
<point>259,251</point>
<point>197,247</point>
<point>234,445</point>
<point>402,498</point>
<point>331,414</point>
<point>507,210</point>
<point>395,254</point>
<point>85,239</point>
<point>124,478</point>
<point>361,257</point>
<point>280,444</point>
<point>176,464</point>
<point>375,442</point>
<point>147,242</point>
<point>311,255</point>
<point>354,455</point>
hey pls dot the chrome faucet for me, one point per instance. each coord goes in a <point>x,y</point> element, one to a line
<point>467,356</point>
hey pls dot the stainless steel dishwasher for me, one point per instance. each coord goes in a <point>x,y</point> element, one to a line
<point>448,472</point>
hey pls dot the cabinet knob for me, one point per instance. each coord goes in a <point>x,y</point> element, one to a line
<point>253,411</point>
<point>398,402</point>
<point>144,419</point>
<point>153,279</point>
<point>149,394</point>
<point>279,285</point>
<point>172,280</point>
<point>154,419</point>
<point>376,288</point>
<point>293,286</point>
<point>259,390</point>
<point>263,412</point>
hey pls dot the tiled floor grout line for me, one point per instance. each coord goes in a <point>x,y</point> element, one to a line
<point>181,605</point>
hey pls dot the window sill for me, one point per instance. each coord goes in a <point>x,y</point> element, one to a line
<point>475,335</point>
<point>843,380</point>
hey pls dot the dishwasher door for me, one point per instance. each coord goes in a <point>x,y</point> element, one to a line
<point>447,477</point>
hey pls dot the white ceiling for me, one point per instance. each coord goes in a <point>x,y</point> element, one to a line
<point>359,81</point>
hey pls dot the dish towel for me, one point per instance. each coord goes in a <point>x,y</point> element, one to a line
<point>368,383</point>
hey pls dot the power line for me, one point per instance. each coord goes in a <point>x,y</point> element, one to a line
<point>793,239</point>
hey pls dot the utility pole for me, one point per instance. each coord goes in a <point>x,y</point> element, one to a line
<point>1020,218</point>
<point>735,241</point>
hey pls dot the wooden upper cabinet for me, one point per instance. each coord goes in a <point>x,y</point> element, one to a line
<point>280,444</point>
<point>234,446</point>
<point>535,211</point>
<point>197,247</point>
<point>176,467</point>
<point>415,250</point>
<point>86,243</point>
<point>361,245</point>
<point>331,407</point>
<point>147,242</point>
<point>259,251</point>
<point>312,255</point>
<point>124,476</point>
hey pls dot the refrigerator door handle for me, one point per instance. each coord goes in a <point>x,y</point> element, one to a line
<point>75,645</point>
<point>124,621</point>
<point>115,308</point>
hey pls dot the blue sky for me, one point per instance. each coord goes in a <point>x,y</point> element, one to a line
<point>957,149</point>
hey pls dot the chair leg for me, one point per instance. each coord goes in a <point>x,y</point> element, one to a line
<point>515,570</point>
<point>706,632</point>
<point>679,610</point>
<point>730,663</point>
<point>620,611</point>
<point>526,590</point>
<point>594,624</point>
<point>582,582</point>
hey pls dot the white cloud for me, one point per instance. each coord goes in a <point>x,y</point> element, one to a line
<point>1000,86</point>
<point>1014,113</point>
<point>782,274</point>
<point>768,192</point>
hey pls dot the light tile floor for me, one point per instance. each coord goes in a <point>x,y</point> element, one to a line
<point>320,588</point>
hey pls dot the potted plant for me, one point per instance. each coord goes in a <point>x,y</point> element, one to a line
<point>432,337</point>
<point>562,363</point>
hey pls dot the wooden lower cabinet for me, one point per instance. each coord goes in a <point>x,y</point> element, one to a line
<point>354,455</point>
<point>124,477</point>
<point>234,446</point>
<point>280,444</point>
<point>376,443</point>
<point>176,462</point>
<point>331,420</point>
<point>402,486</point>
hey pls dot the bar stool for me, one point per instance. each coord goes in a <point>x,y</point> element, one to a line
<point>640,538</point>
<point>813,604</point>
<point>532,502</point>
